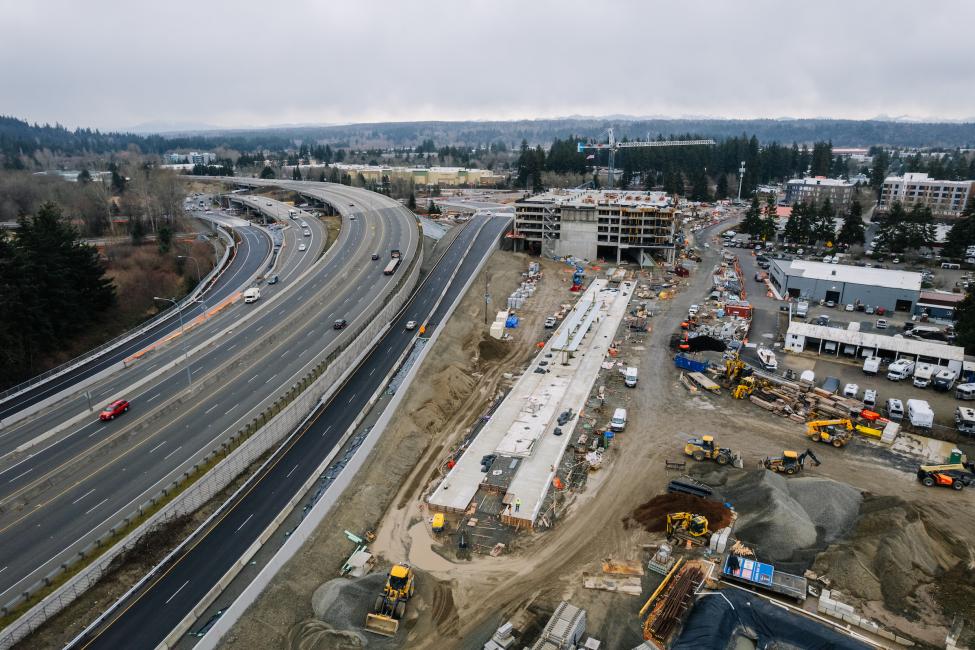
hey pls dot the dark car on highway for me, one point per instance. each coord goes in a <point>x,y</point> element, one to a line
<point>340,324</point>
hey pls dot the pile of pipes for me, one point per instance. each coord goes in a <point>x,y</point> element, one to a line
<point>797,402</point>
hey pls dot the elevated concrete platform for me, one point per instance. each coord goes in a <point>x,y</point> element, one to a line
<point>559,379</point>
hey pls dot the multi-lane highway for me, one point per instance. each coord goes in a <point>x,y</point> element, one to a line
<point>251,252</point>
<point>65,494</point>
<point>148,617</point>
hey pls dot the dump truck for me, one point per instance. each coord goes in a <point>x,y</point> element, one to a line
<point>390,606</point>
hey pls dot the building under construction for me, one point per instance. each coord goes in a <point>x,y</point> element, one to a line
<point>611,225</point>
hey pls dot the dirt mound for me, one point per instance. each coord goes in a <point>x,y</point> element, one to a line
<point>316,635</point>
<point>652,515</point>
<point>491,349</point>
<point>789,520</point>
<point>896,554</point>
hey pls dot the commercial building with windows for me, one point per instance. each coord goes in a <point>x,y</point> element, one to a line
<point>423,176</point>
<point>945,198</point>
<point>844,284</point>
<point>819,188</point>
<point>612,225</point>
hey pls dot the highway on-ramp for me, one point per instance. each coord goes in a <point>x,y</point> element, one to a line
<point>65,496</point>
<point>148,617</point>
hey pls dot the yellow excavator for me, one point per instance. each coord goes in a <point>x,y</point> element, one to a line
<point>704,448</point>
<point>733,368</point>
<point>688,526</point>
<point>832,432</point>
<point>390,606</point>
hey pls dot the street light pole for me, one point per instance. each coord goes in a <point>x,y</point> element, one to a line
<point>182,334</point>
<point>741,178</point>
<point>198,281</point>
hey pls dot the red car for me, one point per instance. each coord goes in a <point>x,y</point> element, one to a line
<point>114,409</point>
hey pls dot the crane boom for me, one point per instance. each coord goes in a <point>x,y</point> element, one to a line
<point>613,146</point>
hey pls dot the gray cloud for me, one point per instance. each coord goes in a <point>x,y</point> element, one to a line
<point>118,64</point>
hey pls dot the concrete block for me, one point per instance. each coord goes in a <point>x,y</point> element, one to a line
<point>902,641</point>
<point>822,608</point>
<point>852,619</point>
<point>844,608</point>
<point>869,625</point>
<point>887,634</point>
<point>825,593</point>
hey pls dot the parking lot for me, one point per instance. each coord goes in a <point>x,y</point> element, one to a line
<point>769,323</point>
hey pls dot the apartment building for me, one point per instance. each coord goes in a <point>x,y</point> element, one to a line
<point>817,189</point>
<point>612,225</point>
<point>945,198</point>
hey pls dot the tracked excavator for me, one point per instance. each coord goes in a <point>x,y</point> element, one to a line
<point>688,526</point>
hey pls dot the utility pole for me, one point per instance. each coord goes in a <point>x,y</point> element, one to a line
<point>741,178</point>
<point>487,296</point>
<point>182,335</point>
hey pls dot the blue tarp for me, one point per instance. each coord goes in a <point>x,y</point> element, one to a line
<point>512,322</point>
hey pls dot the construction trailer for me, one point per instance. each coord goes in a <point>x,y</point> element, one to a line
<point>753,573</point>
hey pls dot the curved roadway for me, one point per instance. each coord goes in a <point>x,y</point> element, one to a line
<point>66,495</point>
<point>148,617</point>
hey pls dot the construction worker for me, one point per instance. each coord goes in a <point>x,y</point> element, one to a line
<point>517,505</point>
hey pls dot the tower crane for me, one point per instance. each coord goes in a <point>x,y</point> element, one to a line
<point>613,146</point>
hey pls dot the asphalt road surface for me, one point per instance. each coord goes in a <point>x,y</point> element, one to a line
<point>252,250</point>
<point>149,617</point>
<point>60,496</point>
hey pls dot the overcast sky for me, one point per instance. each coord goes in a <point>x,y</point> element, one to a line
<point>241,63</point>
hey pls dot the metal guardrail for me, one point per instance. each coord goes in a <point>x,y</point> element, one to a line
<point>122,338</point>
<point>267,429</point>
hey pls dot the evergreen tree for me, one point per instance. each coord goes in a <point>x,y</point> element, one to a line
<point>321,176</point>
<point>296,174</point>
<point>822,159</point>
<point>878,172</point>
<point>722,190</point>
<point>137,230</point>
<point>267,172</point>
<point>752,223</point>
<point>118,181</point>
<point>852,230</point>
<point>965,323</point>
<point>84,177</point>
<point>699,187</point>
<point>165,239</point>
<point>962,234</point>
<point>769,221</point>
<point>825,228</point>
<point>411,202</point>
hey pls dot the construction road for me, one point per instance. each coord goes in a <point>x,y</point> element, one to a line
<point>149,616</point>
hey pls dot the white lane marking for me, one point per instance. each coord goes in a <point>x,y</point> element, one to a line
<point>207,412</point>
<point>229,348</point>
<point>166,457</point>
<point>252,379</point>
<point>3,569</point>
<point>197,369</point>
<point>177,591</point>
<point>291,472</point>
<point>157,446</point>
<point>259,328</point>
<point>329,428</point>
<point>21,474</point>
<point>82,496</point>
<point>271,377</point>
<point>352,398</point>
<point>154,397</point>
<point>231,409</point>
<point>89,510</point>
<point>372,371</point>
<point>245,522</point>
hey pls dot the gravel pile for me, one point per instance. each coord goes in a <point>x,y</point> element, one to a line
<point>787,520</point>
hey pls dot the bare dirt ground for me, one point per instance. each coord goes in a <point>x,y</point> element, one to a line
<point>546,567</point>
<point>454,385</point>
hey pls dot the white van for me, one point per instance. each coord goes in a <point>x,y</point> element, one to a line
<point>252,295</point>
<point>895,410</point>
<point>900,369</point>
<point>871,365</point>
<point>630,377</point>
<point>802,308</point>
<point>920,414</point>
<point>965,392</point>
<point>618,423</point>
